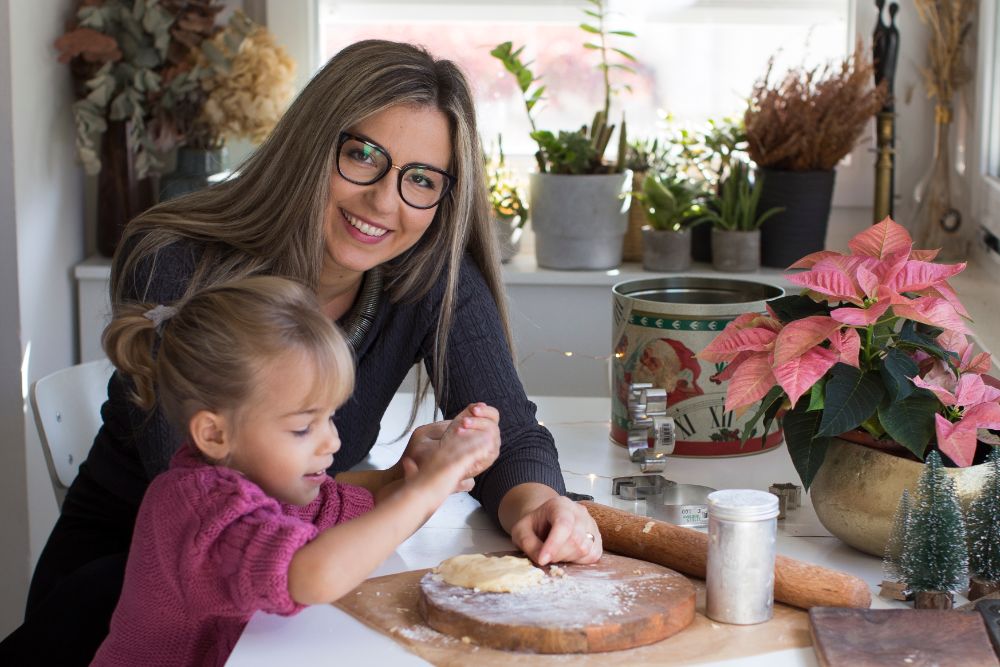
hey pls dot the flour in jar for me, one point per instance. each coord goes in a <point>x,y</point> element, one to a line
<point>503,574</point>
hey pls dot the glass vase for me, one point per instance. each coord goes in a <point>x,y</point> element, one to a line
<point>937,219</point>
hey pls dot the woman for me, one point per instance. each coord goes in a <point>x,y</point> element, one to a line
<point>371,191</point>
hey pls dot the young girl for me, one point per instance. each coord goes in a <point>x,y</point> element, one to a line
<point>246,517</point>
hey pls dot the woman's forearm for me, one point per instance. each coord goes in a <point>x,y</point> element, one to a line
<point>521,500</point>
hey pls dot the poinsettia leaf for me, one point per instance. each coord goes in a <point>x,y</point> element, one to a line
<point>896,370</point>
<point>798,375</point>
<point>881,239</point>
<point>851,397</point>
<point>932,310</point>
<point>833,282</point>
<point>796,306</point>
<point>910,421</point>
<point>730,342</point>
<point>771,413</point>
<point>800,336</point>
<point>750,383</point>
<point>770,398</point>
<point>910,337</point>
<point>915,275</point>
<point>816,396</point>
<point>806,448</point>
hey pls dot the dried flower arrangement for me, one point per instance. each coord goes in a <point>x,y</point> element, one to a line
<point>812,118</point>
<point>951,23</point>
<point>153,65</point>
<point>249,86</point>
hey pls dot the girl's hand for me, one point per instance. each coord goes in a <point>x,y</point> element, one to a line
<point>426,440</point>
<point>557,531</point>
<point>468,446</point>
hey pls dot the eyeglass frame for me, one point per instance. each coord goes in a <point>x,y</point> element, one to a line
<point>450,179</point>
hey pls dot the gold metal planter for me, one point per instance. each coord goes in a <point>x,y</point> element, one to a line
<point>857,489</point>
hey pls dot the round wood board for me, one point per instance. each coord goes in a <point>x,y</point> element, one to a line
<point>615,604</point>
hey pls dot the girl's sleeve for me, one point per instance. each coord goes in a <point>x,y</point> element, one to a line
<point>336,503</point>
<point>480,368</point>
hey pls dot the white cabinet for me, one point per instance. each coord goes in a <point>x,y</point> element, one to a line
<point>92,276</point>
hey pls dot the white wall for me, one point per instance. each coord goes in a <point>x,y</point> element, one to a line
<point>41,238</point>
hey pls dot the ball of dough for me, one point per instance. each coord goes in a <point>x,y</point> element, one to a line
<point>504,574</point>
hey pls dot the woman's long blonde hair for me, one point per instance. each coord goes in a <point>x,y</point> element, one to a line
<point>200,365</point>
<point>268,218</point>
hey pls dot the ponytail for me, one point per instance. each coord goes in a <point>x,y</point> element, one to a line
<point>129,343</point>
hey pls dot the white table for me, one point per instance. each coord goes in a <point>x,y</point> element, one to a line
<point>323,633</point>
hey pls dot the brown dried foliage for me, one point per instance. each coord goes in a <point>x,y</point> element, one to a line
<point>812,118</point>
<point>951,23</point>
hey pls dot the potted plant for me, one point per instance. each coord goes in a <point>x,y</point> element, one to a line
<point>672,205</point>
<point>510,213</point>
<point>872,370</point>
<point>798,128</point>
<point>736,221</point>
<point>579,201</point>
<point>641,157</point>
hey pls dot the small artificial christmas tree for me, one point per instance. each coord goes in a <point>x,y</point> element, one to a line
<point>984,533</point>
<point>894,585</point>
<point>935,557</point>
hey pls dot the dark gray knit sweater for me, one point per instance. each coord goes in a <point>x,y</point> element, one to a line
<point>132,447</point>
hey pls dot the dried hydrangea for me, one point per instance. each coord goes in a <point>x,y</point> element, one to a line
<point>247,100</point>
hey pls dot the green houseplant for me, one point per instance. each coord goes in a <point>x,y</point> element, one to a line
<point>507,202</point>
<point>579,200</point>
<point>874,352</point>
<point>736,220</point>
<point>798,128</point>
<point>672,205</point>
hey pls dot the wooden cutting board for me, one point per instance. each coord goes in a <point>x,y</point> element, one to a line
<point>910,637</point>
<point>616,604</point>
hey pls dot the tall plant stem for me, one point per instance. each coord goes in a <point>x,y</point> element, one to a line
<point>604,63</point>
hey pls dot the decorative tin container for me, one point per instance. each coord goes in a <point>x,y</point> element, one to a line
<point>659,326</point>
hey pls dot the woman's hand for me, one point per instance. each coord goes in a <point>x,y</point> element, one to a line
<point>556,530</point>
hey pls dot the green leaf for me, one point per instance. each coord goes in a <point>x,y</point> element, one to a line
<point>623,33</point>
<point>910,421</point>
<point>592,13</point>
<point>796,306</point>
<point>806,448</point>
<point>911,338</point>
<point>592,46</point>
<point>624,54</point>
<point>851,397</point>
<point>816,395</point>
<point>586,27</point>
<point>622,67</point>
<point>896,370</point>
<point>765,403</point>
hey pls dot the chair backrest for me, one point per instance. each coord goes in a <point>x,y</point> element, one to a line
<point>67,406</point>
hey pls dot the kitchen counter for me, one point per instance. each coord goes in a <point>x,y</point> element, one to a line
<point>589,461</point>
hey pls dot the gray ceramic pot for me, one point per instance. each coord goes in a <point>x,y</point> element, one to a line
<point>735,251</point>
<point>508,238</point>
<point>666,250</point>
<point>579,221</point>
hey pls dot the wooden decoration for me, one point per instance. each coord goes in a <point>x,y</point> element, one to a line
<point>933,600</point>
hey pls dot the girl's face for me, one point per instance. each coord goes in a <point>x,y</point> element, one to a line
<point>367,225</point>
<point>285,439</point>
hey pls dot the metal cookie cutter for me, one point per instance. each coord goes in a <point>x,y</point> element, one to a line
<point>648,420</point>
<point>679,504</point>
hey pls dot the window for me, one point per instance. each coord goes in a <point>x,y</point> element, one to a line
<point>987,185</point>
<point>697,59</point>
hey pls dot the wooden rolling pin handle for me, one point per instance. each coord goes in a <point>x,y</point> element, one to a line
<point>795,583</point>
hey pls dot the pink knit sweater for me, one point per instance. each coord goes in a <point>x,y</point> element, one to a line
<point>210,548</point>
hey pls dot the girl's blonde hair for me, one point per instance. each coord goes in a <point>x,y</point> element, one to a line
<point>210,351</point>
<point>268,218</point>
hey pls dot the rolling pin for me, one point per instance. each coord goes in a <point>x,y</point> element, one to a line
<point>795,583</point>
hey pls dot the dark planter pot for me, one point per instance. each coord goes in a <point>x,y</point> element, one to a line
<point>121,195</point>
<point>195,166</point>
<point>801,228</point>
<point>701,243</point>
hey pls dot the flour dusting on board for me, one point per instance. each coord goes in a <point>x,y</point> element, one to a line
<point>587,598</point>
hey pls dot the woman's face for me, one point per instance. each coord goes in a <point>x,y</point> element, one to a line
<point>367,225</point>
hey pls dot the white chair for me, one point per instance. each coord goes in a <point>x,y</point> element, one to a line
<point>67,407</point>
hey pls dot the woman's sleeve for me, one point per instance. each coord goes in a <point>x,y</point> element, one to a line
<point>480,368</point>
<point>161,279</point>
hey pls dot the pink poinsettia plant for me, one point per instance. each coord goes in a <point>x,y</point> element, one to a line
<point>876,341</point>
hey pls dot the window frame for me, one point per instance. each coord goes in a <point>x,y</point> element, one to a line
<point>986,185</point>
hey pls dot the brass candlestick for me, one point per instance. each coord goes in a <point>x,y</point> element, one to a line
<point>885,130</point>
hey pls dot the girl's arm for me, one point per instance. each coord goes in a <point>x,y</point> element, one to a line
<point>342,556</point>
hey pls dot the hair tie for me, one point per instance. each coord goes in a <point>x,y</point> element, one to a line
<point>159,315</point>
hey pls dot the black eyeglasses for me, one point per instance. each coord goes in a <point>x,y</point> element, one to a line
<point>363,162</point>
